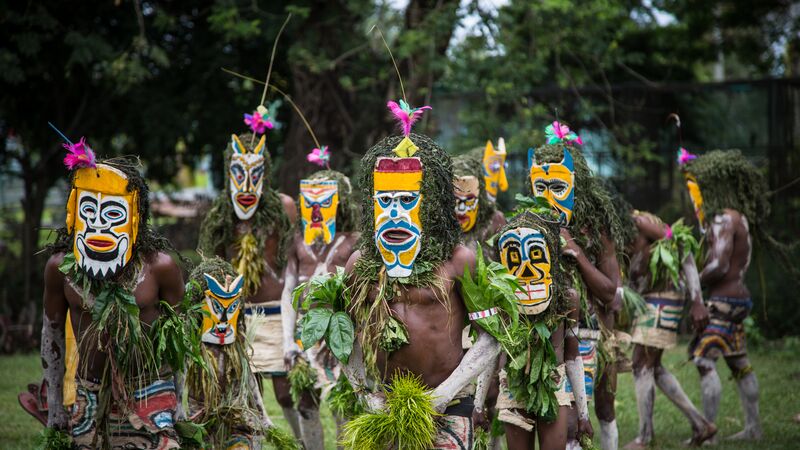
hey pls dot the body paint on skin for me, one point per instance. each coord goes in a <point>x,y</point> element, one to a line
<point>53,353</point>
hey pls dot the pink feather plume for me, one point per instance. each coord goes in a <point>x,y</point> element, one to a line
<point>406,115</point>
<point>79,155</point>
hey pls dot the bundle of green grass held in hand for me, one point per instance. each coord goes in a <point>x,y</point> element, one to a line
<point>407,421</point>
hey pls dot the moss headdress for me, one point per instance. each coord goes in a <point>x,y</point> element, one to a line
<point>470,165</point>
<point>219,227</point>
<point>346,212</point>
<point>728,180</point>
<point>594,213</point>
<point>147,241</point>
<point>441,231</point>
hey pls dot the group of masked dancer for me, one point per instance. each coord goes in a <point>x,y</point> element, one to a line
<point>404,299</point>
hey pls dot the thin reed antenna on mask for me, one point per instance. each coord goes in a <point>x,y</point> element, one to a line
<point>677,120</point>
<point>269,68</point>
<point>394,62</point>
<point>285,96</point>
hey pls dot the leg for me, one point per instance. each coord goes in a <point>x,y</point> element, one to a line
<point>702,429</point>
<point>518,438</point>
<point>280,384</point>
<point>710,386</point>
<point>553,435</point>
<point>644,362</point>
<point>748,393</point>
<point>572,427</point>
<point>604,394</point>
<point>310,425</point>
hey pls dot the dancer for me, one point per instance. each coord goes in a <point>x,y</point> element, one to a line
<point>728,195</point>
<point>533,397</point>
<point>477,215</point>
<point>323,244</point>
<point>657,328</point>
<point>251,225</point>
<point>224,396</point>
<point>111,272</point>
<point>494,169</point>
<point>591,228</point>
<point>404,297</point>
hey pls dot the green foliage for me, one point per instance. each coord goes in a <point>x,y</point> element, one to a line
<point>301,379</point>
<point>343,401</point>
<point>175,335</point>
<point>408,421</point>
<point>633,305</point>
<point>531,367</point>
<point>394,335</point>
<point>667,254</point>
<point>482,439</point>
<point>492,286</point>
<point>50,439</point>
<point>191,435</point>
<point>280,439</point>
<point>327,299</point>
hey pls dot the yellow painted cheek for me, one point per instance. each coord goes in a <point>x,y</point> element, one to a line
<point>472,215</point>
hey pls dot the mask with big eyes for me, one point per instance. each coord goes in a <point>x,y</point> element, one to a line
<point>318,202</point>
<point>697,199</point>
<point>494,169</point>
<point>223,305</point>
<point>396,201</point>
<point>524,252</point>
<point>466,190</point>
<point>555,182</point>
<point>246,177</point>
<point>104,217</point>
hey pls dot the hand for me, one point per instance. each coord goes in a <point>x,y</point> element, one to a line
<point>572,248</point>
<point>585,428</point>
<point>376,401</point>
<point>480,419</point>
<point>290,354</point>
<point>699,314</point>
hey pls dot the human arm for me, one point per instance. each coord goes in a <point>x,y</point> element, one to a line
<point>601,280</point>
<point>718,259</point>
<point>698,310</point>
<point>288,314</point>
<point>574,367</point>
<point>477,360</point>
<point>53,350</point>
<point>482,386</point>
<point>170,279</point>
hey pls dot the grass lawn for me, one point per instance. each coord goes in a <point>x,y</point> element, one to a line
<point>777,370</point>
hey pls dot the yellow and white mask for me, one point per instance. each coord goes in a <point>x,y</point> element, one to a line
<point>494,169</point>
<point>467,191</point>
<point>104,219</point>
<point>397,200</point>
<point>246,177</point>
<point>555,182</point>
<point>697,199</point>
<point>319,200</point>
<point>524,252</point>
<point>223,305</point>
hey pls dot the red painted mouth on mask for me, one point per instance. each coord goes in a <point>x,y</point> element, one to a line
<point>396,236</point>
<point>246,200</point>
<point>100,243</point>
<point>463,219</point>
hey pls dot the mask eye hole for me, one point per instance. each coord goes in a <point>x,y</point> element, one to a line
<point>559,188</point>
<point>327,203</point>
<point>233,307</point>
<point>408,199</point>
<point>536,253</point>
<point>218,309</point>
<point>88,210</point>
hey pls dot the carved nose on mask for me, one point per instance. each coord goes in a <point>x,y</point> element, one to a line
<point>528,271</point>
<point>316,214</point>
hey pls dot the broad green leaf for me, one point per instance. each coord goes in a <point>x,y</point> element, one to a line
<point>340,336</point>
<point>315,323</point>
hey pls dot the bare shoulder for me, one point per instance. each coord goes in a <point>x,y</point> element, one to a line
<point>288,206</point>
<point>498,221</point>
<point>52,273</point>
<point>163,265</point>
<point>351,262</point>
<point>462,257</point>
